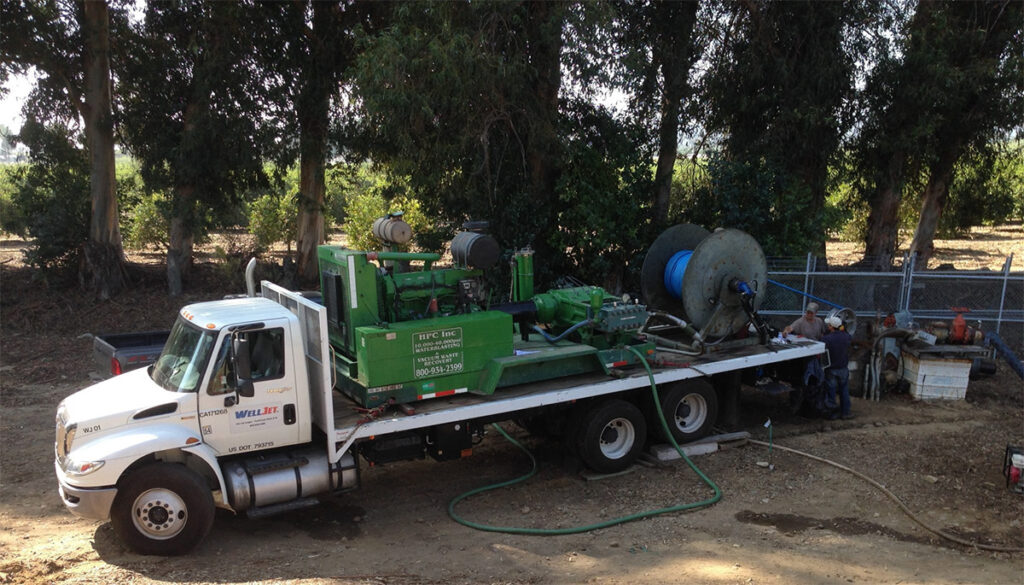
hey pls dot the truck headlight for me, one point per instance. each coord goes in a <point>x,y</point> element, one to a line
<point>80,468</point>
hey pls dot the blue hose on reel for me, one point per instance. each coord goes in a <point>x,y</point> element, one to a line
<point>675,269</point>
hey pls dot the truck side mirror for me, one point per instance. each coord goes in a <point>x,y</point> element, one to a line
<point>243,367</point>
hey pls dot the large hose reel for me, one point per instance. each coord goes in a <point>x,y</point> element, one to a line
<point>713,280</point>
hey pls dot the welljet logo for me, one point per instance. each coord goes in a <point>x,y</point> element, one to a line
<point>254,412</point>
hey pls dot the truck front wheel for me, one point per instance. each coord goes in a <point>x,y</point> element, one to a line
<point>162,509</point>
<point>610,435</point>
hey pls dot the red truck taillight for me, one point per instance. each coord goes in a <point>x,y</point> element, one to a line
<point>115,367</point>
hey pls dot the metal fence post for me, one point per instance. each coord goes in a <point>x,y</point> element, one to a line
<point>910,264</point>
<point>807,279</point>
<point>1002,297</point>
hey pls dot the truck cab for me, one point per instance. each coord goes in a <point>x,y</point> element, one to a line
<point>230,380</point>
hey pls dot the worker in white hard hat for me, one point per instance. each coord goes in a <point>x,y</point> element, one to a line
<point>837,374</point>
<point>810,325</point>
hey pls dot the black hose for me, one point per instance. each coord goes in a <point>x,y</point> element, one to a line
<point>902,506</point>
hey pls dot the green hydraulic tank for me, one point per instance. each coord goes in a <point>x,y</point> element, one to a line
<point>523,261</point>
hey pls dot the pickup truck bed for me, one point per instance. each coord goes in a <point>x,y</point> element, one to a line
<point>462,407</point>
<point>120,352</point>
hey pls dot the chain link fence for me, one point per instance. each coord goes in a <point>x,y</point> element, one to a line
<point>995,298</point>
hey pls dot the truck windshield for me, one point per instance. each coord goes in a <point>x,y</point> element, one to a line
<point>183,360</point>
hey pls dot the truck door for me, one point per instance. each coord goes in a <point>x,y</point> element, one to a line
<point>235,424</point>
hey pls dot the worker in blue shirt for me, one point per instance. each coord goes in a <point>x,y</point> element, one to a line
<point>837,375</point>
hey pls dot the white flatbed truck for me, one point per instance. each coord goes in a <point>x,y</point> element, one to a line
<point>156,450</point>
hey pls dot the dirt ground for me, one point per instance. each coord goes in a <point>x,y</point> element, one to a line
<point>800,523</point>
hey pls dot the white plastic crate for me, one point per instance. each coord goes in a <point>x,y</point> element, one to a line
<point>934,378</point>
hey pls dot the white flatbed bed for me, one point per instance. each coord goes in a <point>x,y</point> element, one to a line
<point>464,407</point>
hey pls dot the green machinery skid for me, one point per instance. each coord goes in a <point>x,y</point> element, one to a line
<point>401,336</point>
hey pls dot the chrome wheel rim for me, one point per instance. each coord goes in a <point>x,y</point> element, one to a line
<point>159,514</point>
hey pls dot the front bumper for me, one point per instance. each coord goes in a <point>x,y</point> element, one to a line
<point>91,503</point>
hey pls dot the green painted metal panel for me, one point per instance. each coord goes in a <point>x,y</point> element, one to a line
<point>407,360</point>
<point>352,294</point>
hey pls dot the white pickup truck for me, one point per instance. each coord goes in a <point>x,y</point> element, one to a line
<point>239,412</point>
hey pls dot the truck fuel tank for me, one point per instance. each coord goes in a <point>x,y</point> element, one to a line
<point>264,480</point>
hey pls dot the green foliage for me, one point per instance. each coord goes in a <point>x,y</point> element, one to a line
<point>604,200</point>
<point>50,197</point>
<point>272,219</point>
<point>690,182</point>
<point>147,223</point>
<point>362,209</point>
<point>452,97</point>
<point>11,219</point>
<point>987,188</point>
<point>195,108</point>
<point>762,201</point>
<point>232,258</point>
<point>781,96</point>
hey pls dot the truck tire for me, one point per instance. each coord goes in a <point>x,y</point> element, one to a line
<point>610,435</point>
<point>690,408</point>
<point>162,509</point>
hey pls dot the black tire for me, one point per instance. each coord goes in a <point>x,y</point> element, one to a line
<point>691,409</point>
<point>610,435</point>
<point>162,509</point>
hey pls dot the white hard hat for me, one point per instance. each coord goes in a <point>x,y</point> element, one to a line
<point>834,322</point>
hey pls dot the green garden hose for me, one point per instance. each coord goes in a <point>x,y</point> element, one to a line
<point>587,528</point>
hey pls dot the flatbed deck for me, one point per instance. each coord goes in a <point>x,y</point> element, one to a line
<point>351,425</point>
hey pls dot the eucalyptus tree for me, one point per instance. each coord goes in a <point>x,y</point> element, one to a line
<point>780,80</point>
<point>312,43</point>
<point>199,112</point>
<point>67,43</point>
<point>656,48</point>
<point>954,81</point>
<point>982,97</point>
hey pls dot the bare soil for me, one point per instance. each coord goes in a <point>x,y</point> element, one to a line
<point>800,523</point>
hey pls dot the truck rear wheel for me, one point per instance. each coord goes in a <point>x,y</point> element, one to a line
<point>610,435</point>
<point>690,409</point>
<point>162,509</point>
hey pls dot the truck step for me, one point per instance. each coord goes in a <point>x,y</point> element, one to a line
<point>272,509</point>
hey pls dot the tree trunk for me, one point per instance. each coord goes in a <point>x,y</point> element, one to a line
<point>310,228</point>
<point>900,118</point>
<point>103,266</point>
<point>179,249</point>
<point>675,54</point>
<point>933,201</point>
<point>313,108</point>
<point>883,220</point>
<point>544,38</point>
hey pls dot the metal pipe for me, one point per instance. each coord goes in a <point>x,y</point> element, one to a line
<point>681,323</point>
<point>680,351</point>
<point>1002,297</point>
<point>250,281</point>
